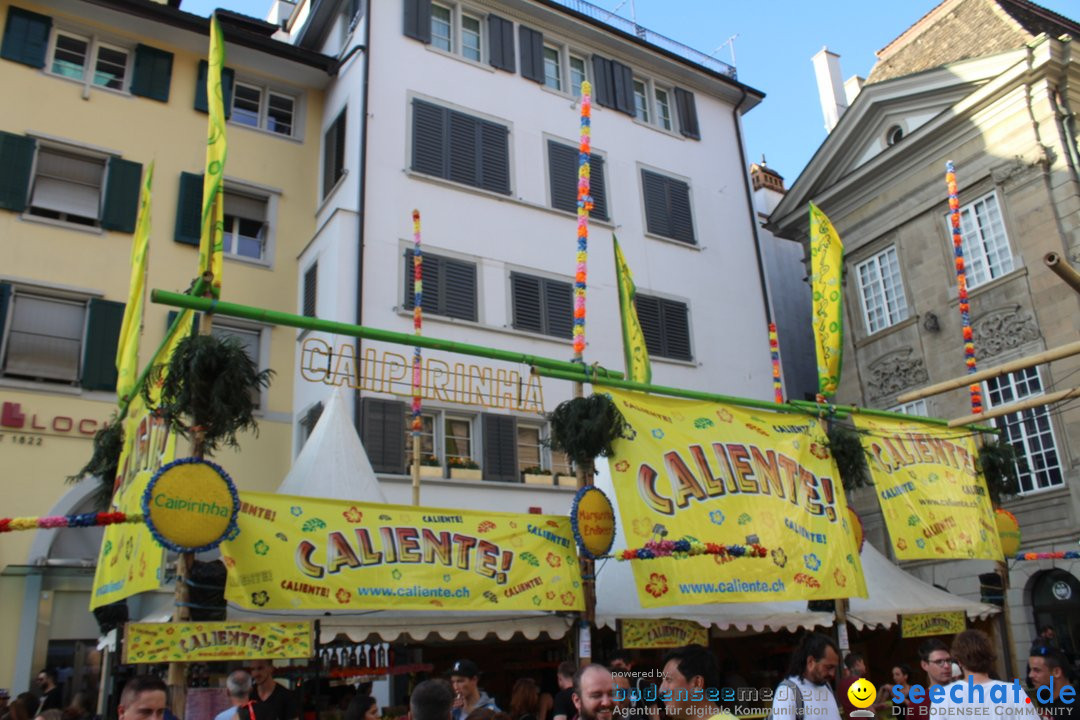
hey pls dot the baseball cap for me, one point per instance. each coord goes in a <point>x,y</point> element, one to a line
<point>465,668</point>
<point>4,694</point>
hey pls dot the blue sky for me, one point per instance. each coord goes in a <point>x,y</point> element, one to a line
<point>775,41</point>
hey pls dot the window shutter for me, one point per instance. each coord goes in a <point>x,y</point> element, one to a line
<point>597,188</point>
<point>432,268</point>
<point>525,296</point>
<point>5,299</point>
<point>622,78</point>
<point>228,76</point>
<point>603,90</point>
<point>494,157</point>
<point>16,163</point>
<point>648,311</point>
<point>189,209</point>
<point>676,327</point>
<point>532,54</point>
<point>429,147</point>
<point>500,448</point>
<point>334,154</point>
<point>464,151</point>
<point>687,111</point>
<point>99,348</point>
<point>122,185</point>
<point>562,176</point>
<point>501,43</point>
<point>196,318</point>
<point>459,289</point>
<point>152,75</point>
<point>417,24</point>
<point>26,37</point>
<point>559,308</point>
<point>682,220</point>
<point>382,429</point>
<point>311,289</point>
<point>657,217</point>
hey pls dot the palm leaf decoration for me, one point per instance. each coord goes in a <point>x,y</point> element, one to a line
<point>586,427</point>
<point>103,463</point>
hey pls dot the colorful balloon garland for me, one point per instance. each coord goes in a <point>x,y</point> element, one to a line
<point>1060,555</point>
<point>774,353</point>
<point>689,548</point>
<point>418,321</point>
<point>584,206</point>
<point>961,285</point>
<point>68,521</point>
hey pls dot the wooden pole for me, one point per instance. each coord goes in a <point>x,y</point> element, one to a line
<point>1063,270</point>
<point>1028,404</point>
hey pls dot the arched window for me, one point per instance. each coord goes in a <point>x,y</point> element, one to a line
<point>1055,600</point>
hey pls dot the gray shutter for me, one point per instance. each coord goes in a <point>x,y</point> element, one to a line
<point>676,326</point>
<point>682,220</point>
<point>26,37</point>
<point>429,146</point>
<point>459,289</point>
<point>189,210</point>
<point>334,153</point>
<point>122,184</point>
<point>16,163</point>
<point>494,157</point>
<point>5,298</point>
<point>382,430</point>
<point>657,217</point>
<point>152,76</point>
<point>432,268</point>
<point>417,20</point>
<point>686,109</point>
<point>227,78</point>
<point>603,90</point>
<point>597,187</point>
<point>99,348</point>
<point>501,43</point>
<point>500,448</point>
<point>622,78</point>
<point>648,311</point>
<point>532,54</point>
<point>525,298</point>
<point>562,176</point>
<point>311,289</point>
<point>464,149</point>
<point>559,309</point>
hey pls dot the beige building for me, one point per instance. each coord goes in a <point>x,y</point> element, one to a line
<point>992,85</point>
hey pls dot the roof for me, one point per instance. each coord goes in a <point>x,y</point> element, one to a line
<point>962,29</point>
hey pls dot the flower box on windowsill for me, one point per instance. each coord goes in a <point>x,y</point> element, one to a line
<point>567,480</point>
<point>429,471</point>
<point>539,479</point>
<point>457,473</point>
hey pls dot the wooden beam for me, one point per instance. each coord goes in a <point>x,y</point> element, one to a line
<point>1028,404</point>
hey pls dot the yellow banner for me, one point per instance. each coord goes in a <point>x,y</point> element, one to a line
<point>826,267</point>
<point>127,349</point>
<point>924,624</point>
<point>638,368</point>
<point>311,554</point>
<point>935,504</point>
<point>215,641</point>
<point>725,475</point>
<point>647,634</point>
<point>212,237</point>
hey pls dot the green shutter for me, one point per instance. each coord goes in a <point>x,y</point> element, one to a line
<point>26,37</point>
<point>16,162</point>
<point>121,195</point>
<point>99,350</point>
<point>153,73</point>
<point>5,295</point>
<point>189,209</point>
<point>227,78</point>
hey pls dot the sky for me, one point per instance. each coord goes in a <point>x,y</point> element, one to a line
<point>774,41</point>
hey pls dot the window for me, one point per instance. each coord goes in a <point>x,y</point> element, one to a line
<point>553,68</point>
<point>251,340</point>
<point>458,432</point>
<point>641,101</point>
<point>427,438</point>
<point>259,107</point>
<point>533,450</point>
<point>667,207</point>
<point>663,108</point>
<point>449,286</point>
<point>442,28</point>
<point>894,135</point>
<point>67,186</point>
<point>563,179</point>
<point>308,422</point>
<point>915,407</point>
<point>577,74</point>
<point>542,305</point>
<point>456,31</point>
<point>86,59</point>
<point>666,326</point>
<point>245,226</point>
<point>881,291</point>
<point>455,441</point>
<point>334,154</point>
<point>249,213</point>
<point>986,247</point>
<point>459,147</point>
<point>1028,431</point>
<point>62,339</point>
<point>470,37</point>
<point>311,290</point>
<point>652,104</point>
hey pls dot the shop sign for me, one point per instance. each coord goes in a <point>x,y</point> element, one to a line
<point>32,425</point>
<point>592,518</point>
<point>650,634</point>
<point>924,624</point>
<point>1061,590</point>
<point>215,641</point>
<point>190,505</point>
<point>391,373</point>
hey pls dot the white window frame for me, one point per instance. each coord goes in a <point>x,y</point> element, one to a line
<point>987,252</point>
<point>271,197</point>
<point>653,118</point>
<point>94,44</point>
<point>263,115</point>
<point>5,338</point>
<point>60,148</point>
<point>547,455</point>
<point>1035,479</point>
<point>458,13</point>
<point>917,408</point>
<point>889,290</point>
<point>439,418</point>
<point>263,332</point>
<point>575,90</point>
<point>560,70</point>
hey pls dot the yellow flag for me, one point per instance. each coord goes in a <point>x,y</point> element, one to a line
<point>211,240</point>
<point>826,267</point>
<point>637,355</point>
<point>127,349</point>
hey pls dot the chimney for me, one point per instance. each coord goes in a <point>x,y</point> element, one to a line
<point>830,86</point>
<point>852,88</point>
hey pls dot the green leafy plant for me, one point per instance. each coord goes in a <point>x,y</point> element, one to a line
<point>1000,465</point>
<point>429,461</point>
<point>536,470</point>
<point>586,427</point>
<point>104,462</point>
<point>462,463</point>
<point>210,385</point>
<point>846,448</point>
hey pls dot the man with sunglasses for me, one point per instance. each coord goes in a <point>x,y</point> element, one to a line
<point>1048,668</point>
<point>936,662</point>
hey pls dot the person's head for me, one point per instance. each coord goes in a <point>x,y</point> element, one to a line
<point>239,686</point>
<point>81,706</point>
<point>622,698</point>
<point>565,674</point>
<point>465,679</point>
<point>262,672</point>
<point>431,700</point>
<point>972,649</point>
<point>688,668</point>
<point>51,714</point>
<point>362,707</point>
<point>855,663</point>
<point>620,661</point>
<point>593,693</point>
<point>816,659</point>
<point>46,679</point>
<point>5,697</point>
<point>481,713</point>
<point>1048,667</point>
<point>144,698</point>
<point>524,698</point>
<point>1046,632</point>
<point>936,661</point>
<point>901,674</point>
<point>19,709</point>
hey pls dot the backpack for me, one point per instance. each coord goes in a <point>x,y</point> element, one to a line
<point>800,702</point>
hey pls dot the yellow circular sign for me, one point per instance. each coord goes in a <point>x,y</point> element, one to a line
<point>593,522</point>
<point>1009,531</point>
<point>190,505</point>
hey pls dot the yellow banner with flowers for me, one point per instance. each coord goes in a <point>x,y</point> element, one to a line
<point>647,633</point>
<point>693,474</point>
<point>313,554</point>
<point>215,641</point>
<point>934,501</point>
<point>927,624</point>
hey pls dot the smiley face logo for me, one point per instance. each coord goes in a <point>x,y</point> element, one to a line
<point>862,694</point>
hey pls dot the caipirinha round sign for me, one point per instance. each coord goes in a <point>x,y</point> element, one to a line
<point>190,505</point>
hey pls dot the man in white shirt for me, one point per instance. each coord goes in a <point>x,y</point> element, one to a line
<point>807,691</point>
<point>976,694</point>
